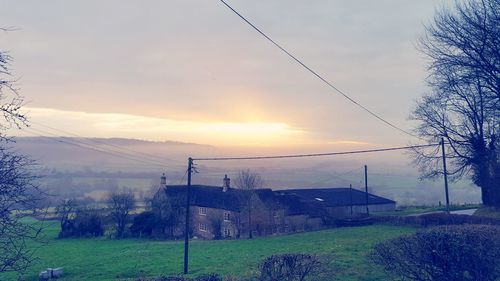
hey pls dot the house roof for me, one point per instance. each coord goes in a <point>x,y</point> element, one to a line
<point>295,201</point>
<point>332,197</point>
<point>214,197</point>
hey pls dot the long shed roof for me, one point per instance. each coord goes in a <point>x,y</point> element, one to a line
<point>332,197</point>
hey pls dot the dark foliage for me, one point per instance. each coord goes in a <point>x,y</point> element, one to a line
<point>217,227</point>
<point>87,222</point>
<point>289,267</point>
<point>209,277</point>
<point>437,219</point>
<point>66,212</point>
<point>205,277</point>
<point>144,224</point>
<point>170,214</point>
<point>446,253</point>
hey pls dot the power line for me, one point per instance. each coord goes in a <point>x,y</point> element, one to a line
<point>183,177</point>
<point>267,171</point>
<point>90,147</point>
<point>146,155</point>
<point>316,74</point>
<point>313,154</point>
<point>337,176</point>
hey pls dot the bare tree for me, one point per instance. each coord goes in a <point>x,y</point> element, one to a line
<point>19,192</point>
<point>162,210</point>
<point>19,197</point>
<point>120,206</point>
<point>10,100</point>
<point>248,182</point>
<point>464,104</point>
<point>66,210</point>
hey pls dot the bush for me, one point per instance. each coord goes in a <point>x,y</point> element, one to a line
<point>143,224</point>
<point>164,278</point>
<point>209,277</point>
<point>452,253</point>
<point>206,277</point>
<point>86,223</point>
<point>436,219</point>
<point>288,267</point>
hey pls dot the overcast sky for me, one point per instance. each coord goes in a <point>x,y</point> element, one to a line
<point>193,71</point>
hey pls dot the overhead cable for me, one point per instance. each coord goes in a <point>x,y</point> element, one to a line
<point>74,142</point>
<point>122,149</point>
<point>313,154</point>
<point>318,75</point>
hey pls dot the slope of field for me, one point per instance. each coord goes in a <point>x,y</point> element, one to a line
<point>106,259</point>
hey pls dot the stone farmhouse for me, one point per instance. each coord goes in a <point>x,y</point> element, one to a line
<point>223,212</point>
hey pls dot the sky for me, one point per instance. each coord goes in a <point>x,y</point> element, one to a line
<point>192,71</point>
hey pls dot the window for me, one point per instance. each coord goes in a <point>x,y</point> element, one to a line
<point>226,216</point>
<point>227,232</point>
<point>202,227</point>
<point>275,214</point>
<point>202,211</point>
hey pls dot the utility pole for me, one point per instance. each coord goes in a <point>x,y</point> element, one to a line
<point>188,203</point>
<point>350,195</point>
<point>445,173</point>
<point>366,190</point>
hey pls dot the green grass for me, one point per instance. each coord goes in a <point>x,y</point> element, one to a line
<point>105,259</point>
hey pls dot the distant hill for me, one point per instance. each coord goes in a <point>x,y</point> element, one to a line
<point>112,141</point>
<point>86,165</point>
<point>70,153</point>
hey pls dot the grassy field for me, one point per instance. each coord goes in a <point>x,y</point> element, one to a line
<point>105,259</point>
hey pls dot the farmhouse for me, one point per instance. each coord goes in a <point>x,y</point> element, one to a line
<point>223,212</point>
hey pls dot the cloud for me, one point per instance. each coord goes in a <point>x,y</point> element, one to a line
<point>262,133</point>
<point>195,61</point>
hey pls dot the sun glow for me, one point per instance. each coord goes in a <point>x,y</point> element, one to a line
<point>151,128</point>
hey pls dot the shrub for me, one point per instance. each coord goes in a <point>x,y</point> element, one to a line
<point>209,277</point>
<point>452,253</point>
<point>87,223</point>
<point>288,267</point>
<point>206,277</point>
<point>166,278</point>
<point>436,219</point>
<point>143,224</point>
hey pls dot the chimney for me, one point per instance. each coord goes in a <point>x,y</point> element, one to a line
<point>163,181</point>
<point>226,183</point>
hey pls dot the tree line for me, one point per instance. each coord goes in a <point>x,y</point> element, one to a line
<point>162,216</point>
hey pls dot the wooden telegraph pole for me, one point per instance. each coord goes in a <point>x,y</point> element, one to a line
<point>366,189</point>
<point>445,174</point>
<point>188,203</point>
<point>350,195</point>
